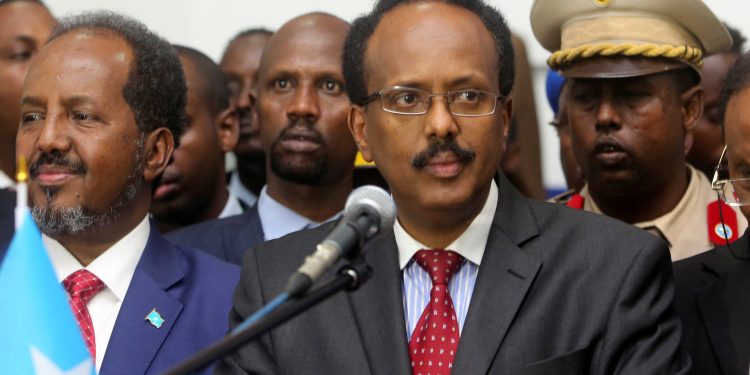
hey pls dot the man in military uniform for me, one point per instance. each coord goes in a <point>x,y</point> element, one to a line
<point>633,92</point>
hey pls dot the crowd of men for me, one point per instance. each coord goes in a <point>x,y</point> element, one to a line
<point>640,268</point>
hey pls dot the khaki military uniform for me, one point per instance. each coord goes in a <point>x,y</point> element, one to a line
<point>687,227</point>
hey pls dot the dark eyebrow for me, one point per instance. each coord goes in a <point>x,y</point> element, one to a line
<point>32,100</point>
<point>26,39</point>
<point>77,99</point>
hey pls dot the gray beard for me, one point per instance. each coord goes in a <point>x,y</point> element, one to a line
<point>53,220</point>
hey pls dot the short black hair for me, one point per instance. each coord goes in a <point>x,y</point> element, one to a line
<point>155,90</point>
<point>738,79</point>
<point>364,26</point>
<point>738,40</point>
<point>213,83</point>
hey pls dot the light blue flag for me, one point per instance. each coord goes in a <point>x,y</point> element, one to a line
<point>38,333</point>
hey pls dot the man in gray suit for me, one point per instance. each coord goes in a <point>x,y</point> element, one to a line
<point>472,278</point>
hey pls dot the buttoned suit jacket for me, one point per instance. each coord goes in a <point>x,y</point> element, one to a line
<point>7,216</point>
<point>227,238</point>
<point>558,292</point>
<point>712,299</point>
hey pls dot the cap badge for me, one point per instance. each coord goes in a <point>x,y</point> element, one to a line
<point>603,3</point>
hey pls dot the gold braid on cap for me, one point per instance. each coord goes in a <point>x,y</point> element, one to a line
<point>688,54</point>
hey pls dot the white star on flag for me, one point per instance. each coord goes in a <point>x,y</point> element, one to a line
<point>44,365</point>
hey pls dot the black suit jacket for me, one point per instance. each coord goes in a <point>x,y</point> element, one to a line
<point>7,216</point>
<point>712,299</point>
<point>558,292</point>
<point>226,238</point>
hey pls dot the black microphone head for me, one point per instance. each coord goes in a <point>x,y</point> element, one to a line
<point>374,198</point>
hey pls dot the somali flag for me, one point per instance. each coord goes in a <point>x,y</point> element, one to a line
<point>38,333</point>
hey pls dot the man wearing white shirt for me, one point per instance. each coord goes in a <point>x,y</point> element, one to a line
<point>240,63</point>
<point>302,108</point>
<point>96,136</point>
<point>515,286</point>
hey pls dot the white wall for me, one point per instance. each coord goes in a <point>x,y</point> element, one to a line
<point>208,24</point>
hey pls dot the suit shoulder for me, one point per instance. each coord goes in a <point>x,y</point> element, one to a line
<point>695,271</point>
<point>205,267</point>
<point>551,215</point>
<point>300,242</point>
<point>211,226</point>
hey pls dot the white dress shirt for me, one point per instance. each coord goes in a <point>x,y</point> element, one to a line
<point>240,191</point>
<point>278,220</point>
<point>416,281</point>
<point>115,268</point>
<point>233,206</point>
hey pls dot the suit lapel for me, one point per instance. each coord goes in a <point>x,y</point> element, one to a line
<point>378,310</point>
<point>505,276</point>
<point>725,309</point>
<point>134,341</point>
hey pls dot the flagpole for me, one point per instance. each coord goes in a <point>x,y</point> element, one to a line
<point>22,190</point>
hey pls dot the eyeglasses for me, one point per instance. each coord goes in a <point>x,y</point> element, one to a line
<point>727,188</point>
<point>410,101</point>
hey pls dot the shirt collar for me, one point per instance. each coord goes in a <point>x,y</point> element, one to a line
<point>114,267</point>
<point>241,192</point>
<point>233,206</point>
<point>278,220</point>
<point>470,244</point>
<point>5,181</point>
<point>669,226</point>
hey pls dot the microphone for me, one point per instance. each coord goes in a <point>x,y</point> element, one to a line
<point>368,210</point>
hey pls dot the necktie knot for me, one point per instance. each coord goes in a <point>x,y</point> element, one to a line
<point>440,264</point>
<point>82,285</point>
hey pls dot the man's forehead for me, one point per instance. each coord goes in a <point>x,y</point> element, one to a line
<point>95,44</point>
<point>304,49</point>
<point>434,38</point>
<point>80,59</point>
<point>21,18</point>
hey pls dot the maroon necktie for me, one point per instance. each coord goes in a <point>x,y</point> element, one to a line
<point>434,341</point>
<point>81,286</point>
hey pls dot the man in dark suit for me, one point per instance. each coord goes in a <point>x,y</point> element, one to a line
<point>97,135</point>
<point>7,216</point>
<point>472,278</point>
<point>712,287</point>
<point>302,108</point>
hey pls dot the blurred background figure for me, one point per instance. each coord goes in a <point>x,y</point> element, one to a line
<point>555,85</point>
<point>240,63</point>
<point>521,162</point>
<point>24,27</point>
<point>302,110</point>
<point>708,136</point>
<point>193,187</point>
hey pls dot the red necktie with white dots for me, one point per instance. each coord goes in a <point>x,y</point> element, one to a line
<point>82,285</point>
<point>434,341</point>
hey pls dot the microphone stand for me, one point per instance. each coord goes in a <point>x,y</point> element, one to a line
<point>349,278</point>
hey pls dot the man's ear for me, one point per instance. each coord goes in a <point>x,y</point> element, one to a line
<point>692,106</point>
<point>506,107</point>
<point>228,127</point>
<point>357,126</point>
<point>157,153</point>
